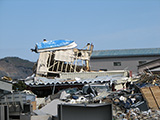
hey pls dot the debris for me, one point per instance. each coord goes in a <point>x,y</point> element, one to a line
<point>64,95</point>
<point>6,78</point>
<point>18,103</point>
<point>51,108</point>
<point>64,79</point>
<point>148,79</point>
<point>151,94</point>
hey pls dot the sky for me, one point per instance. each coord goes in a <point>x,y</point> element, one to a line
<point>108,24</point>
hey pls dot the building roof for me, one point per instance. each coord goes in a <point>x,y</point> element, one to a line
<point>47,81</point>
<point>125,52</point>
<point>58,81</point>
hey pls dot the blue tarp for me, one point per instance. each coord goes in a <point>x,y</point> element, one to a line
<point>53,44</point>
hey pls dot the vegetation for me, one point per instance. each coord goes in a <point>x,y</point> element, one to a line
<point>19,86</point>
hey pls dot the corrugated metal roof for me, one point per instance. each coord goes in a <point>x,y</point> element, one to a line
<point>100,79</point>
<point>45,81</point>
<point>126,52</point>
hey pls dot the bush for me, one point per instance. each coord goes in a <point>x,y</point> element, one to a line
<point>20,86</point>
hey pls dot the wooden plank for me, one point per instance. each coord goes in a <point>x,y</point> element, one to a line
<point>62,66</point>
<point>151,102</point>
<point>66,67</point>
<point>33,105</point>
<point>145,90</point>
<point>156,92</point>
<point>58,66</point>
<point>147,94</point>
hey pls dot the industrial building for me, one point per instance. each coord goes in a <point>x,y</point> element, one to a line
<point>128,59</point>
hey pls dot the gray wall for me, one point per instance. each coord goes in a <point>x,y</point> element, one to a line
<point>129,63</point>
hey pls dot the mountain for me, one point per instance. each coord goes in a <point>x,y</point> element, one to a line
<point>15,67</point>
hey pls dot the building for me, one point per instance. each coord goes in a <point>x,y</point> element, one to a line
<point>128,59</point>
<point>59,68</point>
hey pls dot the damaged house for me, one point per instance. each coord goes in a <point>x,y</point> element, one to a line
<point>52,62</point>
<point>61,65</point>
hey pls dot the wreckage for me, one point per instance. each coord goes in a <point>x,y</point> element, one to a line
<point>61,65</point>
<point>61,56</point>
<point>104,95</point>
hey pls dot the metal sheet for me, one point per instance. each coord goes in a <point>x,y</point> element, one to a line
<point>5,86</point>
<point>85,112</point>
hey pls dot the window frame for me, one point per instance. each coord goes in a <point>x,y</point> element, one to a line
<point>117,64</point>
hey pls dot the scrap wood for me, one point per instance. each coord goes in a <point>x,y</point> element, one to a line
<point>147,94</point>
<point>149,78</point>
<point>156,93</point>
<point>151,94</point>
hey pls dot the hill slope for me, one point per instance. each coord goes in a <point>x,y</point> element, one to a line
<point>15,67</point>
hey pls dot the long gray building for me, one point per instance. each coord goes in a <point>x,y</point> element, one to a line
<point>128,59</point>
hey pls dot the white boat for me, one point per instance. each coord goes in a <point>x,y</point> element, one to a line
<point>55,45</point>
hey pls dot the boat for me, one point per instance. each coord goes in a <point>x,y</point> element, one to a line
<point>55,45</point>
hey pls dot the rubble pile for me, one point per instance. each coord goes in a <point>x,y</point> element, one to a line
<point>148,79</point>
<point>141,103</point>
<point>127,104</point>
<point>125,100</point>
<point>63,73</point>
<point>136,114</point>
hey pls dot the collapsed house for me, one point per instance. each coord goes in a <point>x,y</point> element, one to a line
<point>53,61</point>
<point>61,65</point>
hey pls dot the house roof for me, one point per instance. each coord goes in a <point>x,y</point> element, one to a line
<point>40,81</point>
<point>125,52</point>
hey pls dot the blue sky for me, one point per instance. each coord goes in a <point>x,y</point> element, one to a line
<point>108,24</point>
